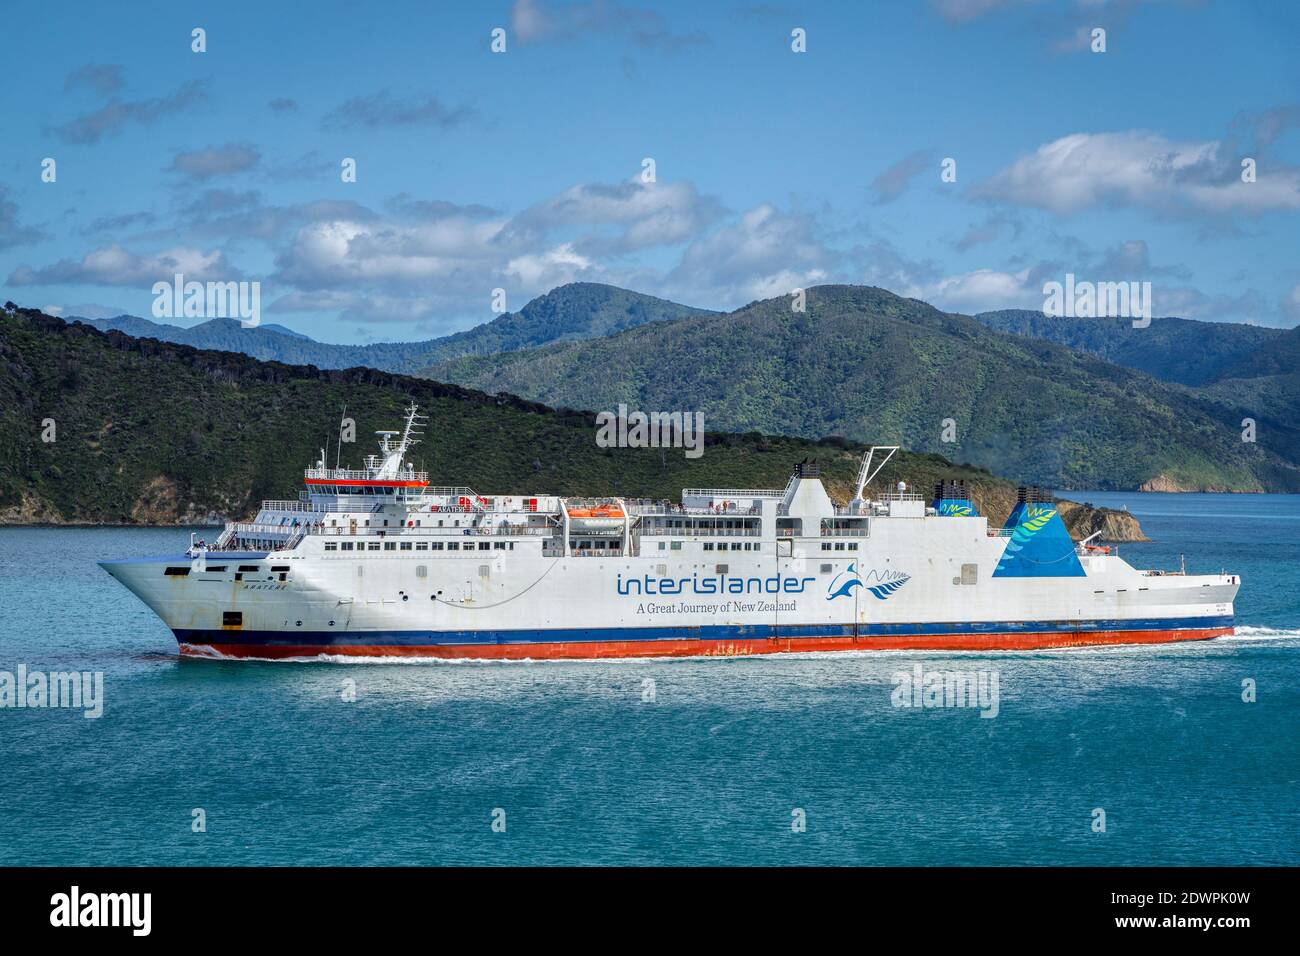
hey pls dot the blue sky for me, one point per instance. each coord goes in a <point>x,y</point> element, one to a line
<point>774,169</point>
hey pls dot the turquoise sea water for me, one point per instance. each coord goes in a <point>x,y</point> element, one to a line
<point>711,770</point>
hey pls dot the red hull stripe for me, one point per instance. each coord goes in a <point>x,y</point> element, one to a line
<point>722,648</point>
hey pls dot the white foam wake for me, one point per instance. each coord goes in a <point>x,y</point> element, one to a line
<point>1249,633</point>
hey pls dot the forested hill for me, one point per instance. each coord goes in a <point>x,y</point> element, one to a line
<point>872,366</point>
<point>154,432</point>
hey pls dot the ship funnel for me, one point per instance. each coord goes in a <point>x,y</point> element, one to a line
<point>952,498</point>
<point>1039,544</point>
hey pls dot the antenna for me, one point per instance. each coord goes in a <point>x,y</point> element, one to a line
<point>414,427</point>
<point>339,450</point>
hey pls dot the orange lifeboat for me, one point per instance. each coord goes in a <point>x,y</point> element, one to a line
<point>600,518</point>
<point>599,511</point>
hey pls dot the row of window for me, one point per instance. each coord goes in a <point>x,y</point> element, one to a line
<point>417,522</point>
<point>714,546</point>
<point>754,546</point>
<point>705,526</point>
<point>418,545</point>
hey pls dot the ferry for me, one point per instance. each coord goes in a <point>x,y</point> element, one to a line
<point>377,562</point>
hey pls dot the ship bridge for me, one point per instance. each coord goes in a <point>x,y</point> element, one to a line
<point>386,476</point>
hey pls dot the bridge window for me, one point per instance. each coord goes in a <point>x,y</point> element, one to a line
<point>331,545</point>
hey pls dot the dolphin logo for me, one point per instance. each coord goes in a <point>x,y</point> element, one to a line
<point>850,579</point>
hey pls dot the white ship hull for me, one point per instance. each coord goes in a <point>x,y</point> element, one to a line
<point>448,573</point>
<point>516,604</point>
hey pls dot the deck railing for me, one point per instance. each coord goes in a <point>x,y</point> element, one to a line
<point>360,474</point>
<point>732,493</point>
<point>703,532</point>
<point>504,531</point>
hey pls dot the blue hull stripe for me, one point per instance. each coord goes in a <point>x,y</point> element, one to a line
<point>721,632</point>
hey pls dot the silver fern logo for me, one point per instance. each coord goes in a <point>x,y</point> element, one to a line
<point>881,584</point>
<point>887,583</point>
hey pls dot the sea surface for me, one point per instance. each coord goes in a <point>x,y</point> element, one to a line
<point>779,760</point>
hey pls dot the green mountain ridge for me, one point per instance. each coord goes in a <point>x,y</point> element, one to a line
<point>1186,351</point>
<point>865,363</point>
<point>152,432</point>
<point>569,312</point>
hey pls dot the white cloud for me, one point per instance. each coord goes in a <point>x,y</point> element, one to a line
<point>624,216</point>
<point>1083,170</point>
<point>548,269</point>
<point>982,290</point>
<point>766,252</point>
<point>114,265</point>
<point>345,253</point>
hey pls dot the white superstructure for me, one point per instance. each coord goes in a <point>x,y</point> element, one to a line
<point>376,561</point>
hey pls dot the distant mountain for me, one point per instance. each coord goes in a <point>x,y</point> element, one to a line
<point>1264,386</point>
<point>1176,350</point>
<point>153,432</point>
<point>576,311</point>
<point>867,364</point>
<point>573,312</point>
<point>283,330</point>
